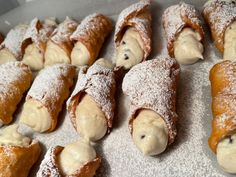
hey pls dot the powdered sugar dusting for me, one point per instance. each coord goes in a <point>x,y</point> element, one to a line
<point>48,85</point>
<point>10,73</point>
<point>86,25</point>
<point>64,31</point>
<point>48,166</point>
<point>99,83</point>
<point>157,92</point>
<point>14,40</point>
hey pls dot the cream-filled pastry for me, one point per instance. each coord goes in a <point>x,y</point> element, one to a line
<point>133,35</point>
<point>230,42</point>
<point>74,156</point>
<point>92,103</point>
<point>90,119</point>
<point>35,41</point>
<point>226,154</point>
<point>88,38</point>
<point>188,48</point>
<point>80,55</point>
<point>150,133</point>
<point>10,136</point>
<point>130,52</point>
<point>18,153</point>
<point>184,33</point>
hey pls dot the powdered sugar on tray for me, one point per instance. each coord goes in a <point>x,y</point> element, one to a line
<point>189,155</point>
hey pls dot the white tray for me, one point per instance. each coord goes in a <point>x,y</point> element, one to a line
<point>189,155</point>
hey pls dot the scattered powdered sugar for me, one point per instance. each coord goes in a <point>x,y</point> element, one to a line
<point>151,85</point>
<point>219,14</point>
<point>49,84</point>
<point>14,40</point>
<point>64,30</point>
<point>99,83</point>
<point>49,165</point>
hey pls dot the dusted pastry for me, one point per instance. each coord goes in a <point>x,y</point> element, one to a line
<point>220,15</point>
<point>46,96</point>
<point>78,159</point>
<point>88,38</point>
<point>92,103</point>
<point>184,33</point>
<point>133,34</point>
<point>223,136</point>
<point>151,87</point>
<point>15,79</point>
<point>18,153</point>
<point>34,43</point>
<point>59,47</point>
<point>10,48</point>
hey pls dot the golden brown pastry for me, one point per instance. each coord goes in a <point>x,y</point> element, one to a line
<point>18,153</point>
<point>184,33</point>
<point>34,43</point>
<point>10,48</point>
<point>59,47</point>
<point>15,79</point>
<point>78,159</point>
<point>223,136</point>
<point>133,34</point>
<point>92,103</point>
<point>220,15</point>
<point>46,96</point>
<point>89,38</point>
<point>151,87</point>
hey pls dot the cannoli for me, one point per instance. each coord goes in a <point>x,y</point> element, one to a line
<point>88,38</point>
<point>151,87</point>
<point>46,96</point>
<point>18,153</point>
<point>220,15</point>
<point>59,46</point>
<point>133,35</point>
<point>15,79</point>
<point>10,48</point>
<point>78,159</point>
<point>91,105</point>
<point>222,140</point>
<point>184,33</point>
<point>34,43</point>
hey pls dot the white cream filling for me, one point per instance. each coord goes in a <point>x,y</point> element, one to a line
<point>226,154</point>
<point>80,55</point>
<point>150,133</point>
<point>188,48</point>
<point>6,56</point>
<point>130,51</point>
<point>105,63</point>
<point>230,42</point>
<point>55,54</point>
<point>90,119</point>
<point>10,136</point>
<point>36,116</point>
<point>75,155</point>
<point>33,57</point>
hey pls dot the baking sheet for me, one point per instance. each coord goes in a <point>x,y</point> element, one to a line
<point>189,155</point>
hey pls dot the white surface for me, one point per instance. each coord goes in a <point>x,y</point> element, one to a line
<point>189,155</point>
